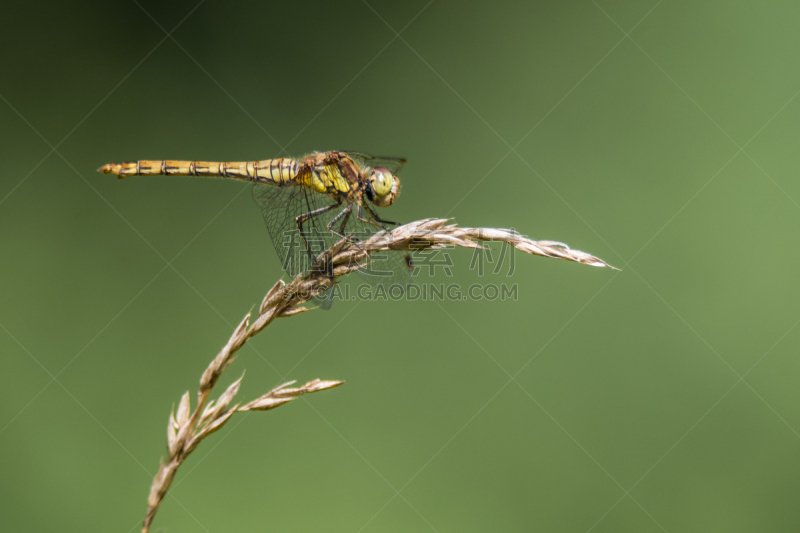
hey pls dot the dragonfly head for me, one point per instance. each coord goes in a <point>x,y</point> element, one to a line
<point>382,187</point>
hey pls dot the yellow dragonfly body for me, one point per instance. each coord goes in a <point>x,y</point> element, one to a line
<point>320,198</point>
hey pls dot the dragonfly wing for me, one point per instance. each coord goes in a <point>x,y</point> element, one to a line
<point>385,268</point>
<point>392,164</point>
<point>280,207</point>
<point>324,300</point>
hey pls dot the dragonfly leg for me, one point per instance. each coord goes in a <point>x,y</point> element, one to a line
<point>346,212</point>
<point>346,218</point>
<point>343,213</point>
<point>306,217</point>
<point>378,220</point>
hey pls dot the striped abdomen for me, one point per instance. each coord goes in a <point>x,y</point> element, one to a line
<point>276,172</point>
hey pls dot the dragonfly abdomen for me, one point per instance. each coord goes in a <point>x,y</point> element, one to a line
<point>276,172</point>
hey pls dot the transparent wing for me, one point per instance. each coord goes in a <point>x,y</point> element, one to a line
<point>384,268</point>
<point>280,206</point>
<point>392,164</point>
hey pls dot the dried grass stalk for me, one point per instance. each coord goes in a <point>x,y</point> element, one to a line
<point>187,427</point>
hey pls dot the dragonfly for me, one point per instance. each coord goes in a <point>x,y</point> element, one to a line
<point>310,203</point>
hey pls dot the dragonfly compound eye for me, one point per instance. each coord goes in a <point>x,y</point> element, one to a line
<point>385,187</point>
<point>381,181</point>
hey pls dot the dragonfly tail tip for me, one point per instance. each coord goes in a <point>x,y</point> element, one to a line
<point>110,168</point>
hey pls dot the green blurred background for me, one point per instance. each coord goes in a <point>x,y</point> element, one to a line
<point>665,397</point>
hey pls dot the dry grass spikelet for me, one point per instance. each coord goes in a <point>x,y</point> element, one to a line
<point>187,427</point>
